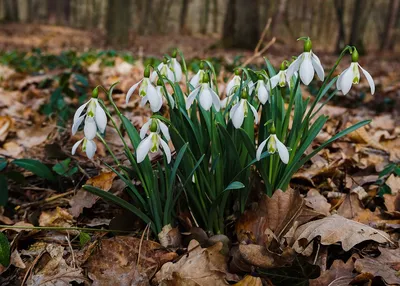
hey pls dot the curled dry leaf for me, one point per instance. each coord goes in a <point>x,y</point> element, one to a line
<point>352,208</point>
<point>249,280</point>
<point>126,260</point>
<point>394,184</point>
<point>335,229</point>
<point>317,202</point>
<point>392,204</point>
<point>271,218</point>
<point>55,271</point>
<point>386,265</point>
<point>340,274</point>
<point>6,123</point>
<point>199,267</point>
<point>85,199</point>
<point>169,236</point>
<point>58,217</point>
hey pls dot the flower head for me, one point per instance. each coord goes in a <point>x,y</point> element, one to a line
<point>165,70</point>
<point>152,143</point>
<point>306,64</point>
<point>240,110</point>
<point>88,146</point>
<point>262,89</point>
<point>95,118</point>
<point>274,145</point>
<point>280,78</point>
<point>159,127</point>
<point>205,94</point>
<point>176,68</point>
<point>351,76</point>
<point>161,92</point>
<point>147,91</point>
<point>198,77</point>
<point>233,84</point>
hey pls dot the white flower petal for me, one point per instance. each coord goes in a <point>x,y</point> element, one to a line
<point>306,69</point>
<point>260,149</point>
<point>230,86</point>
<point>205,98</point>
<point>255,114</point>
<point>164,130</point>
<point>233,109</point>
<point>238,115</point>
<point>282,151</point>
<point>195,79</point>
<point>77,123</point>
<point>132,90</point>
<point>154,98</point>
<point>79,111</point>
<point>166,149</point>
<point>171,75</point>
<point>317,66</point>
<point>90,148</point>
<point>145,128</point>
<point>100,118</point>
<point>339,80</point>
<point>346,81</point>
<point>172,101</point>
<point>215,100</point>
<point>192,97</point>
<point>143,149</point>
<point>294,67</point>
<point>275,80</point>
<point>369,79</point>
<point>76,145</point>
<point>143,101</point>
<point>90,128</point>
<point>153,76</point>
<point>177,70</point>
<point>262,94</point>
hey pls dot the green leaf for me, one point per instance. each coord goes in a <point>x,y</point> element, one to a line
<point>84,238</point>
<point>234,186</point>
<point>3,190</point>
<point>63,168</point>
<point>36,167</point>
<point>4,250</point>
<point>3,163</point>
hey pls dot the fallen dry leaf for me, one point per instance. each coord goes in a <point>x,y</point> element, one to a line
<point>335,229</point>
<point>199,267</point>
<point>126,260</point>
<point>317,202</point>
<point>6,123</point>
<point>84,199</point>
<point>394,184</point>
<point>34,135</point>
<point>352,208</point>
<point>386,265</point>
<point>249,280</point>
<point>58,217</point>
<point>339,274</point>
<point>392,204</point>
<point>56,272</point>
<point>271,218</point>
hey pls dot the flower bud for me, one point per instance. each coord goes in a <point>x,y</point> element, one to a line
<point>159,82</point>
<point>201,65</point>
<point>272,130</point>
<point>237,71</point>
<point>174,53</point>
<point>165,60</point>
<point>307,45</point>
<point>354,55</point>
<point>95,92</point>
<point>153,126</point>
<point>260,77</point>
<point>147,72</point>
<point>283,65</point>
<point>205,78</point>
<point>244,95</point>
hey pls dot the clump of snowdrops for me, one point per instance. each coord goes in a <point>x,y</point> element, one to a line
<point>215,142</point>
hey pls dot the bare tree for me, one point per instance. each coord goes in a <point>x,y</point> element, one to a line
<point>278,17</point>
<point>341,39</point>
<point>118,22</point>
<point>241,29</point>
<point>11,10</point>
<point>183,16</point>
<point>387,42</point>
<point>361,12</point>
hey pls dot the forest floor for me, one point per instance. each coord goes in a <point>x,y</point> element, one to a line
<point>357,177</point>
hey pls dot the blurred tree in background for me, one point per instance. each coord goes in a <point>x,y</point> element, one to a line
<point>369,24</point>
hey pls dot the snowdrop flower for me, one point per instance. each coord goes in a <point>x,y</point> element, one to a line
<point>95,117</point>
<point>164,70</point>
<point>175,66</point>
<point>274,145</point>
<point>152,144</point>
<point>281,78</point>
<point>351,75</point>
<point>160,127</point>
<point>233,84</point>
<point>306,64</point>
<point>147,91</point>
<point>198,77</point>
<point>206,96</point>
<point>262,89</point>
<point>161,92</point>
<point>240,110</point>
<point>88,146</point>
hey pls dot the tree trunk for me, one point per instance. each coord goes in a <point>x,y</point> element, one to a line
<point>204,17</point>
<point>388,32</point>
<point>361,11</point>
<point>277,19</point>
<point>341,39</point>
<point>145,17</point>
<point>118,23</point>
<point>183,16</point>
<point>241,29</point>
<point>11,10</point>
<point>215,16</point>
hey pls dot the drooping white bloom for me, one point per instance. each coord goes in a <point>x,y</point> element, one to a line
<point>164,70</point>
<point>262,90</point>
<point>351,76</point>
<point>232,85</point>
<point>161,92</point>
<point>206,97</point>
<point>306,64</point>
<point>95,118</point>
<point>240,110</point>
<point>161,127</point>
<point>88,146</point>
<point>281,79</point>
<point>176,68</point>
<point>273,145</point>
<point>151,144</point>
<point>148,93</point>
<point>197,78</point>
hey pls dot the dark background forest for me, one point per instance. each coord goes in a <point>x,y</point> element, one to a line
<point>371,25</point>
